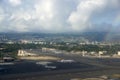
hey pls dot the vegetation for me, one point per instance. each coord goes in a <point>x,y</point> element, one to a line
<point>12,49</point>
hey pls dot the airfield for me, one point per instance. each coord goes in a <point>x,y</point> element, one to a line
<point>68,68</point>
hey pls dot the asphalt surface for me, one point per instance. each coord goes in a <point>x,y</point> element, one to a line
<point>82,67</point>
<point>31,66</point>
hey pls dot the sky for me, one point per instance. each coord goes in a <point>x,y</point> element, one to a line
<point>59,16</point>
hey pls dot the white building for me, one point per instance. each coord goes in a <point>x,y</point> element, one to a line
<point>25,53</point>
<point>84,53</point>
<point>100,53</point>
<point>118,53</point>
<point>44,49</point>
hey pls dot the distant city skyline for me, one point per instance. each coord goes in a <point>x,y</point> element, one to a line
<point>59,16</point>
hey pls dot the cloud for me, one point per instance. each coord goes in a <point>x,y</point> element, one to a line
<point>15,2</point>
<point>54,16</point>
<point>45,13</point>
<point>51,15</point>
<point>41,17</point>
<point>117,19</point>
<point>1,14</point>
<point>79,19</point>
<point>91,14</point>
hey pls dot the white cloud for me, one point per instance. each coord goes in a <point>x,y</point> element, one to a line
<point>44,9</point>
<point>20,16</point>
<point>52,14</point>
<point>58,15</point>
<point>48,16</point>
<point>41,18</point>
<point>79,19</point>
<point>41,15</point>
<point>18,25</point>
<point>44,13</point>
<point>1,14</point>
<point>117,20</point>
<point>15,2</point>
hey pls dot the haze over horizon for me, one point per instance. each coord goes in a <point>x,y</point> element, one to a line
<point>59,16</point>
